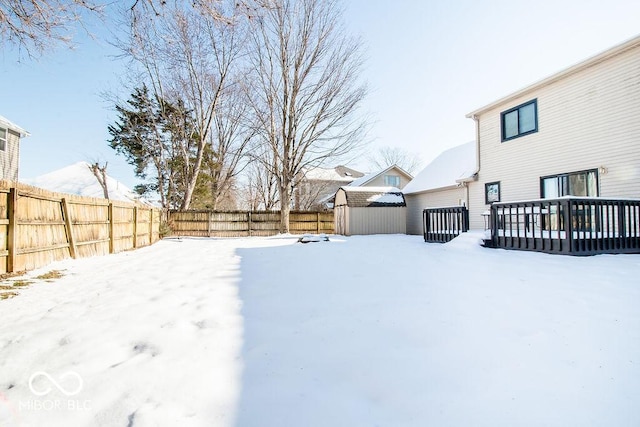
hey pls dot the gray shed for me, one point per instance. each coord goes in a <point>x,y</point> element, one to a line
<point>369,210</point>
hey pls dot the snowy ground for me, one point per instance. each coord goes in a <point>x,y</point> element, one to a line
<point>360,331</point>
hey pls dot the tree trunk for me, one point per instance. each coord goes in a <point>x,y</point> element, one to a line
<point>285,207</point>
<point>191,183</point>
<point>100,172</point>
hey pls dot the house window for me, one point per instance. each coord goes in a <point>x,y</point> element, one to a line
<point>519,121</point>
<point>392,180</point>
<point>491,192</point>
<point>3,139</point>
<point>582,184</point>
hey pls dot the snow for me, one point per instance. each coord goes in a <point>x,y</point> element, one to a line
<point>454,164</point>
<point>326,174</point>
<point>308,238</point>
<point>387,198</point>
<point>367,330</point>
<point>79,179</point>
<point>4,122</point>
<point>363,179</point>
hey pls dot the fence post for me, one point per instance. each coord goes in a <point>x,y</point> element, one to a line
<point>249,222</point>
<point>150,226</point>
<point>135,227</point>
<point>69,227</point>
<point>12,229</point>
<point>318,222</point>
<point>111,236</point>
<point>209,219</point>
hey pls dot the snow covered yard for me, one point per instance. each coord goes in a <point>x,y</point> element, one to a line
<point>360,331</point>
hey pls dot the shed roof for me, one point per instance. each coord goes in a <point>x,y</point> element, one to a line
<point>14,127</point>
<point>361,197</point>
<point>446,170</point>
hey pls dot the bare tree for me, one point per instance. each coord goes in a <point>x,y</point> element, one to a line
<point>305,90</point>
<point>38,25</point>
<point>389,156</point>
<point>260,186</point>
<point>189,55</point>
<point>100,172</point>
<point>230,137</point>
<point>35,26</point>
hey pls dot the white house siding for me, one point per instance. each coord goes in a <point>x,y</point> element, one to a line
<point>379,180</point>
<point>373,220</point>
<point>586,120</point>
<point>417,202</point>
<point>10,158</point>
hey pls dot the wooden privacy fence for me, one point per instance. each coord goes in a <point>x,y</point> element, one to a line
<point>38,227</point>
<point>246,223</point>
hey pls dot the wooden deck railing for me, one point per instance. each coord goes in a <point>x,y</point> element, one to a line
<point>441,225</point>
<point>567,225</point>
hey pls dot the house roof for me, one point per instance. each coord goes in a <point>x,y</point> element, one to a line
<point>338,173</point>
<point>360,197</point>
<point>371,176</point>
<point>4,122</point>
<point>446,170</point>
<point>603,56</point>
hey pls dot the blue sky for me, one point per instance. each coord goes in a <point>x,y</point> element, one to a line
<point>428,64</point>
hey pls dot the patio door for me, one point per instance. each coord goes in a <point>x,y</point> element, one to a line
<point>579,184</point>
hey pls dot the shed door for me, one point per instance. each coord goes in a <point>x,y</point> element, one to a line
<point>340,220</point>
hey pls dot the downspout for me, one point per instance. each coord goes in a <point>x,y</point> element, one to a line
<point>477,120</point>
<point>474,176</point>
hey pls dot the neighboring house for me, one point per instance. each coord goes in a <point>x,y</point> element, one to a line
<point>392,176</point>
<point>441,184</point>
<point>575,133</point>
<point>317,186</point>
<point>369,210</point>
<point>10,135</point>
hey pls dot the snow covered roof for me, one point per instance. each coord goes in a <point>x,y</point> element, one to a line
<point>4,122</point>
<point>445,170</point>
<point>338,173</point>
<point>79,179</point>
<point>358,197</point>
<point>371,176</point>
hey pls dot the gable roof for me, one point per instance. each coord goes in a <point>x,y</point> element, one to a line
<point>371,176</point>
<point>4,122</point>
<point>446,170</point>
<point>589,62</point>
<point>375,197</point>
